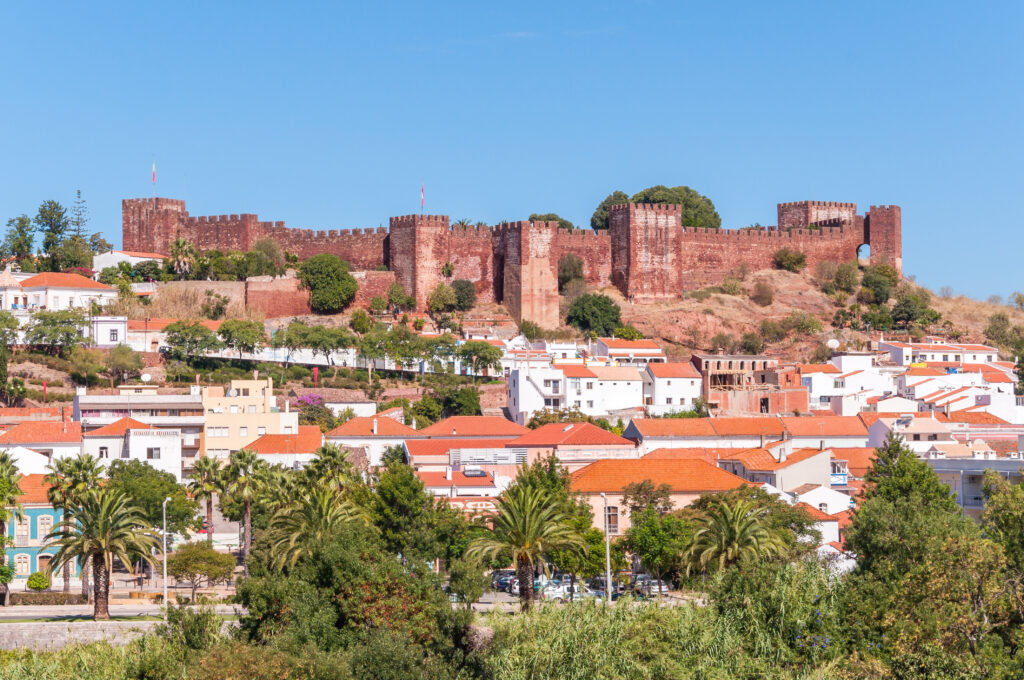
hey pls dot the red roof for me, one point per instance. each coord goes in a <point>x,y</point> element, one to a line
<point>685,476</point>
<point>575,371</point>
<point>816,514</point>
<point>475,426</point>
<point>33,489</point>
<point>61,280</point>
<point>691,453</point>
<point>816,368</point>
<point>43,432</point>
<point>858,459</point>
<point>747,426</point>
<point>570,434</point>
<point>762,459</point>
<point>459,478</point>
<point>673,370</point>
<point>363,427</point>
<point>975,418</point>
<point>825,426</point>
<point>118,428</point>
<point>441,447</point>
<point>616,343</point>
<point>674,427</point>
<point>308,440</point>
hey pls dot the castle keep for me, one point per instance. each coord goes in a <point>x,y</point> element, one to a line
<point>646,253</point>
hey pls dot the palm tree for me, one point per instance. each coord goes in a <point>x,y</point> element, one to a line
<point>527,525</point>
<point>243,481</point>
<point>331,467</point>
<point>9,494</point>
<point>206,479</point>
<point>103,525</point>
<point>317,515</point>
<point>69,479</point>
<point>731,531</point>
<point>183,257</point>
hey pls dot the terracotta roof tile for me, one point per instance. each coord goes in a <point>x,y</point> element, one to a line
<point>825,426</point>
<point>975,418</point>
<point>33,489</point>
<point>575,370</point>
<point>747,426</point>
<point>362,426</point>
<point>858,459</point>
<point>616,343</point>
<point>569,434</point>
<point>440,447</point>
<point>43,432</point>
<point>762,459</point>
<point>673,370</point>
<point>687,476</point>
<point>118,428</point>
<point>692,453</point>
<point>816,368</point>
<point>475,426</point>
<point>61,280</point>
<point>674,427</point>
<point>308,440</point>
<point>816,514</point>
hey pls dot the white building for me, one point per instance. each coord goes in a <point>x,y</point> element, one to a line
<point>919,433</point>
<point>127,439</point>
<point>670,387</point>
<point>372,433</point>
<point>115,257</point>
<point>53,291</point>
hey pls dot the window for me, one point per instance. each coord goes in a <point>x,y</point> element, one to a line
<point>590,385</point>
<point>823,507</point>
<point>153,453</point>
<point>104,452</point>
<point>21,565</point>
<point>21,529</point>
<point>611,520</point>
<point>252,408</point>
<point>590,403</point>
<point>945,357</point>
<point>174,412</point>
<point>113,335</point>
<point>261,431</point>
<point>668,382</point>
<point>245,391</point>
<point>917,437</point>
<point>43,526</point>
<point>933,437</point>
<point>243,431</point>
<point>218,432</point>
<point>234,409</point>
<point>288,429</point>
<point>576,403</point>
<point>668,400</point>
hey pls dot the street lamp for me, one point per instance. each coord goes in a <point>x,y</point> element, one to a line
<point>163,545</point>
<point>607,553</point>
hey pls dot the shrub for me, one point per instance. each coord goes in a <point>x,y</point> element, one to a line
<point>803,323</point>
<point>442,299</point>
<point>751,343</point>
<point>821,354</point>
<point>594,313</point>
<point>846,276</point>
<point>881,281</point>
<point>865,296</point>
<point>731,286</point>
<point>38,581</point>
<point>575,288</point>
<point>763,293</point>
<point>721,341</point>
<point>772,331</point>
<point>190,627</point>
<point>530,330</point>
<point>52,598</point>
<point>418,324</point>
<point>700,295</point>
<point>628,333</point>
<point>360,321</point>
<point>789,260</point>
<point>570,268</point>
<point>331,287</point>
<point>465,295</point>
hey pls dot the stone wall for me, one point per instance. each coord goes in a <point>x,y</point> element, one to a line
<point>276,296</point>
<point>593,247</point>
<point>371,284</point>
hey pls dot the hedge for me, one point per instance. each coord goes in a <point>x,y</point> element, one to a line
<point>48,598</point>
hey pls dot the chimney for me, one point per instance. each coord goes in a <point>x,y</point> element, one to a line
<point>453,431</point>
<point>374,427</point>
<point>448,473</point>
<point>762,440</point>
<point>821,445</point>
<point>287,405</point>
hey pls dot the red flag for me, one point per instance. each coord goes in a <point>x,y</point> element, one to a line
<point>315,374</point>
<point>423,196</point>
<point>44,391</point>
<point>154,172</point>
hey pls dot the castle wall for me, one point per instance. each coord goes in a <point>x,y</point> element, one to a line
<point>594,248</point>
<point>277,296</point>
<point>371,284</point>
<point>530,282</point>
<point>471,252</point>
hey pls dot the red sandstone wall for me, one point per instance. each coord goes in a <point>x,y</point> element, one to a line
<point>594,248</point>
<point>276,296</point>
<point>801,214</point>
<point>530,283</point>
<point>471,252</point>
<point>884,229</point>
<point>646,255</point>
<point>371,284</point>
<point>418,250</point>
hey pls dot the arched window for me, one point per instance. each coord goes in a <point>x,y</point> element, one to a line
<point>44,525</point>
<point>21,565</point>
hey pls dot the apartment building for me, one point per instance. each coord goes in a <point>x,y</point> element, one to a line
<point>243,412</point>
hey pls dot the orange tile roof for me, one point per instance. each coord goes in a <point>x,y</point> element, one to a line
<point>762,459</point>
<point>922,371</point>
<point>43,432</point>
<point>362,426</point>
<point>993,377</point>
<point>816,514</point>
<point>118,428</point>
<point>26,412</point>
<point>61,280</point>
<point>869,418</point>
<point>569,434</point>
<point>459,478</point>
<point>975,418</point>
<point>692,453</point>
<point>673,370</point>
<point>575,370</point>
<point>135,253</point>
<point>858,458</point>
<point>308,440</point>
<point>33,489</point>
<point>844,517</point>
<point>685,476</point>
<point>674,427</point>
<point>816,368</point>
<point>475,426</point>
<point>825,426</point>
<point>616,343</point>
<point>441,447</point>
<point>747,426</point>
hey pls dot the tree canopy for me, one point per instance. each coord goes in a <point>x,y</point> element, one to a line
<point>331,287</point>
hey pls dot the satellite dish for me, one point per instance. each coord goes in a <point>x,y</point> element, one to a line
<point>833,344</point>
<point>146,377</point>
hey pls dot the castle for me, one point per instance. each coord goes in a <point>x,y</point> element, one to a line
<point>646,252</point>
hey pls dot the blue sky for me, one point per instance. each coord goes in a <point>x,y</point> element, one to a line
<point>330,116</point>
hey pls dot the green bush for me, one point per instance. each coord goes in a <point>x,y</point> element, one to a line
<point>731,286</point>
<point>751,343</point>
<point>594,313</point>
<point>763,293</point>
<point>722,341</point>
<point>802,323</point>
<point>38,581</point>
<point>465,295</point>
<point>570,268</point>
<point>190,627</point>
<point>789,260</point>
<point>772,331</point>
<point>331,287</point>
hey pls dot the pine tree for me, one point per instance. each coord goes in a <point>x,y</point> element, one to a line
<point>79,215</point>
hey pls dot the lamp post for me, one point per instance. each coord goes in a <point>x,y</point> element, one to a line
<point>163,545</point>
<point>607,554</point>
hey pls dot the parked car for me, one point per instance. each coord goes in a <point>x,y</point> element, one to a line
<point>561,593</point>
<point>539,584</point>
<point>500,579</point>
<point>650,588</point>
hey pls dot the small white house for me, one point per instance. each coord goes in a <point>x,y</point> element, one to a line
<point>115,257</point>
<point>128,439</point>
<point>28,461</point>
<point>670,387</point>
<point>54,290</point>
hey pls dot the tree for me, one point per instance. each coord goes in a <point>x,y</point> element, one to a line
<point>60,330</point>
<point>729,532</point>
<point>528,524</point>
<point>698,210</point>
<point>8,329</point>
<point>189,339</point>
<point>789,260</point>
<point>398,299</point>
<point>245,336</point>
<point>204,485</point>
<point>312,519</point>
<point>467,580</point>
<point>98,244</point>
<point>331,287</point>
<point>999,330</point>
<point>442,299</point>
<point>659,540</point>
<point>12,390</point>
<point>183,258</point>
<point>599,220</point>
<point>148,487</point>
<point>465,294</point>
<point>19,239</point>
<point>552,217</point>
<point>122,361</point>
<point>198,562</point>
<point>879,282</point>
<point>104,525</point>
<point>270,249</point>
<point>79,215</point>
<point>68,480</point>
<point>594,313</point>
<point>570,268</point>
<point>639,497</point>
<point>404,513</point>
<point>51,221</point>
<point>751,343</point>
<point>481,356</point>
<point>628,333</point>
<point>243,483</point>
<point>74,253</point>
<point>360,322</point>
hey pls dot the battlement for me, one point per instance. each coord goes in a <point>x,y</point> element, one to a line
<point>155,203</point>
<point>582,234</point>
<point>469,231</point>
<point>670,208</point>
<point>214,219</point>
<point>419,220</point>
<point>883,208</point>
<point>762,233</point>
<point>820,204</point>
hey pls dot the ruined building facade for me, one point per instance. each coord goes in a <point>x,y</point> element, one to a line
<point>646,253</point>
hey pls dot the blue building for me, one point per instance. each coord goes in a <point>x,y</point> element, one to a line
<point>25,551</point>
